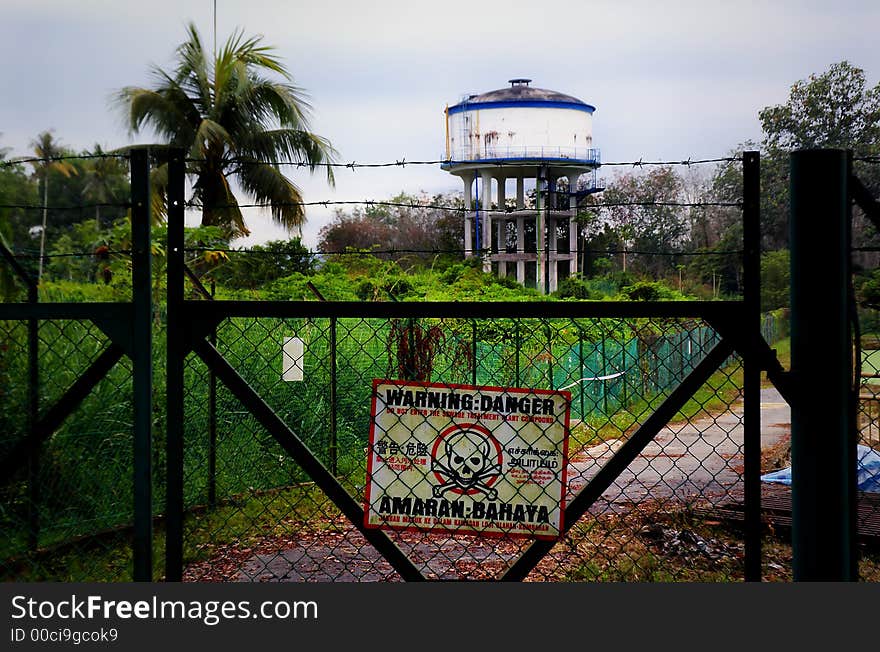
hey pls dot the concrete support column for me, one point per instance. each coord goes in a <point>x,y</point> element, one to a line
<point>540,235</point>
<point>501,224</point>
<point>552,253</point>
<point>486,232</point>
<point>573,239</point>
<point>468,179</point>
<point>520,229</point>
<point>552,250</point>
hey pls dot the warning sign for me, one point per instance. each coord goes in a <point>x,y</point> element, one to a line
<point>461,458</point>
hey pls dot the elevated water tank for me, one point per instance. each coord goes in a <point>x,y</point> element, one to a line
<point>529,137</point>
<point>520,123</point>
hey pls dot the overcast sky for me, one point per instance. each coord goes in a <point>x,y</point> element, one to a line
<point>670,80</point>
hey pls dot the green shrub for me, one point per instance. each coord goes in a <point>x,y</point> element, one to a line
<point>574,287</point>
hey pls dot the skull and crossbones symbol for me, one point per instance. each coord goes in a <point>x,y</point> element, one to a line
<point>468,462</point>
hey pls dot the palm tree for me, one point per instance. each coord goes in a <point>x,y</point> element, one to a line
<point>233,121</point>
<point>49,151</point>
<point>102,178</point>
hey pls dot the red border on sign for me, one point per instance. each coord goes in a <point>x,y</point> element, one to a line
<point>466,530</point>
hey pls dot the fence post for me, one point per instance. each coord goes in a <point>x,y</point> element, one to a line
<point>142,364</point>
<point>33,398</point>
<point>751,366</point>
<point>175,370</point>
<point>823,446</point>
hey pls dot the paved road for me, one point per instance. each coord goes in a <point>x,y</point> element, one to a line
<point>703,457</point>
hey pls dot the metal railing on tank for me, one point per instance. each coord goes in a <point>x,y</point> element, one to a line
<point>589,155</point>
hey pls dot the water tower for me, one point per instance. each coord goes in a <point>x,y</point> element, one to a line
<point>522,133</point>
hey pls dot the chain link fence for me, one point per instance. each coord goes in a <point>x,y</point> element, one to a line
<point>462,438</point>
<point>868,423</point>
<point>254,515</point>
<point>66,505</point>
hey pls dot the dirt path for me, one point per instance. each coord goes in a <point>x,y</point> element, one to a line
<point>702,457</point>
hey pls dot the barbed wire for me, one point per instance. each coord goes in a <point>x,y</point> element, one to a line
<point>462,209</point>
<point>31,255</point>
<point>72,254</point>
<point>52,159</point>
<point>390,204</point>
<point>402,163</point>
<point>688,162</point>
<point>396,251</point>
<point>34,207</point>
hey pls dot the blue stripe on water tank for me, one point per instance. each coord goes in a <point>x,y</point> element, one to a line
<point>512,104</point>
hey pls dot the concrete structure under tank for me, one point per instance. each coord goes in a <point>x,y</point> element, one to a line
<point>522,133</point>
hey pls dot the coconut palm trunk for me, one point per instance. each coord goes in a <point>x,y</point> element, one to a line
<point>49,151</point>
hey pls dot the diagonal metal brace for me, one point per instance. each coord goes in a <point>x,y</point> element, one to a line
<point>197,283</point>
<point>118,327</point>
<point>624,457</point>
<point>749,343</point>
<point>865,200</point>
<point>300,453</point>
<point>16,267</point>
<point>63,408</point>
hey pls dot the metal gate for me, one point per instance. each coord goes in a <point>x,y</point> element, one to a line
<point>266,479</point>
<point>58,356</point>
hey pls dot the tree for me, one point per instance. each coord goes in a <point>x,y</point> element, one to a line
<point>16,189</point>
<point>105,181</point>
<point>264,263</point>
<point>642,218</point>
<point>775,279</point>
<point>836,109</point>
<point>413,229</point>
<point>233,121</point>
<point>48,150</point>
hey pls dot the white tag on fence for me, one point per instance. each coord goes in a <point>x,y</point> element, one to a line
<point>292,359</point>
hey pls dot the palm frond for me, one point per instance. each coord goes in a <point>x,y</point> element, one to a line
<point>253,54</point>
<point>158,110</point>
<point>226,109</point>
<point>211,136</point>
<point>192,69</point>
<point>267,185</point>
<point>159,193</point>
<point>289,144</point>
<point>284,103</point>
